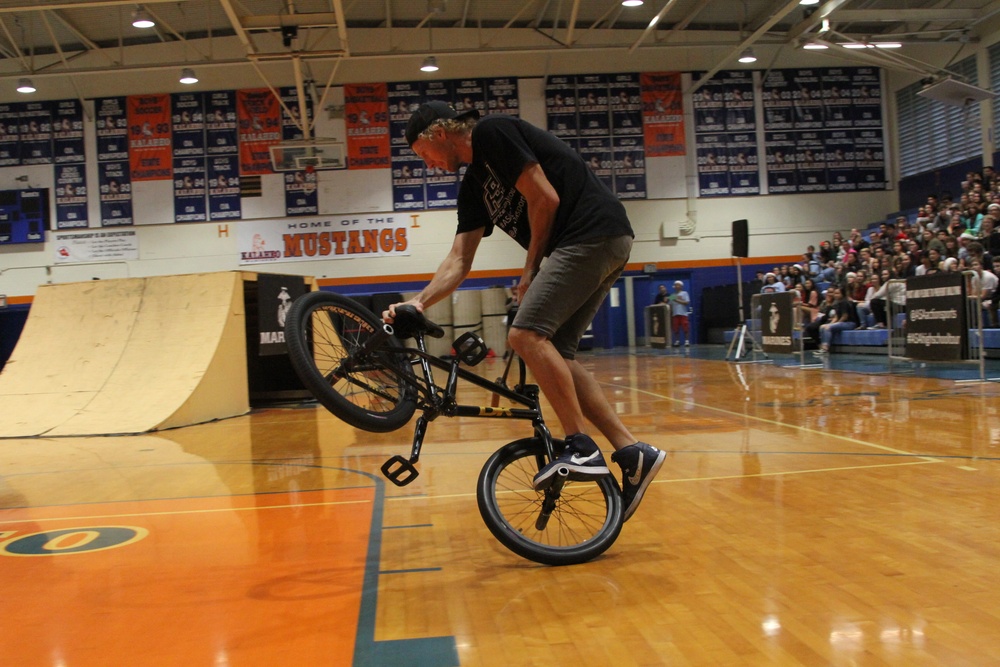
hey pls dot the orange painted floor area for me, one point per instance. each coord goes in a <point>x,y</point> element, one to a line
<point>237,580</point>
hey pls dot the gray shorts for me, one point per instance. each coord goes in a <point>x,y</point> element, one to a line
<point>570,287</point>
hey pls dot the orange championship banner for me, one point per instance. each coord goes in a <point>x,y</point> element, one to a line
<point>366,112</point>
<point>150,149</point>
<point>662,114</point>
<point>259,126</point>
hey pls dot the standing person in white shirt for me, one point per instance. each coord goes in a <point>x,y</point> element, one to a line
<point>680,308</point>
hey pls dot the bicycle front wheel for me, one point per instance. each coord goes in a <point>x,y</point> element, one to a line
<point>581,523</point>
<point>324,333</point>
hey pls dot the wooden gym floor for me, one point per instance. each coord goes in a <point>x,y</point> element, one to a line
<point>802,517</point>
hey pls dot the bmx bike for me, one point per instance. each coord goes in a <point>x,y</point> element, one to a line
<point>357,367</point>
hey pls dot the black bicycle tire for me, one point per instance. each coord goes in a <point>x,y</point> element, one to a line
<point>514,539</point>
<point>298,337</point>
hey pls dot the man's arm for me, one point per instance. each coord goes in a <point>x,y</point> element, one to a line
<point>543,201</point>
<point>449,274</point>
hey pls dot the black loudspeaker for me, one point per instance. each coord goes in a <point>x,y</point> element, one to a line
<point>741,239</point>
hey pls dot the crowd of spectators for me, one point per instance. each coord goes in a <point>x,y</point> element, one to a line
<point>944,235</point>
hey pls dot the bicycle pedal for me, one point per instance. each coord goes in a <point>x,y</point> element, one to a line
<point>470,348</point>
<point>399,470</point>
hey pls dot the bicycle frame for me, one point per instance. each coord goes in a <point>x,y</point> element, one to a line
<point>434,400</point>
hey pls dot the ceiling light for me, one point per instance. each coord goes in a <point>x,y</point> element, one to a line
<point>747,56</point>
<point>25,86</point>
<point>631,3</point>
<point>855,45</point>
<point>188,77</point>
<point>808,2</point>
<point>430,64</point>
<point>140,19</point>
<point>814,46</point>
<point>887,45</point>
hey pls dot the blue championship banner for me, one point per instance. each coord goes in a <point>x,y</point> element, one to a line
<point>807,99</point>
<point>501,96</point>
<point>781,173</point>
<point>71,196</point>
<point>112,129</point>
<point>224,187</point>
<point>776,97</point>
<point>869,154</point>
<point>713,164</point>
<point>67,132</point>
<point>596,152</point>
<point>739,101</point>
<point>838,97</point>
<point>867,91</point>
<point>187,115</point>
<point>470,94</point>
<point>291,114</point>
<point>441,187</point>
<point>560,106</point>
<point>115,186</point>
<point>841,174</point>
<point>744,171</point>
<point>811,161</point>
<point>407,169</point>
<point>709,106</point>
<point>629,164</point>
<point>190,203</point>
<point>593,119</point>
<point>626,105</point>
<point>36,133</point>
<point>221,135</point>
<point>935,317</point>
<point>10,135</point>
<point>300,193</point>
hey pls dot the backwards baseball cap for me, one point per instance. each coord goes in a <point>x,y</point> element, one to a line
<point>427,113</point>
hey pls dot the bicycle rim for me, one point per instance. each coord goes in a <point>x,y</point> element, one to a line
<point>585,521</point>
<point>325,331</point>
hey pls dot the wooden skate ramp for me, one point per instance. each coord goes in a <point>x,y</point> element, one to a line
<point>127,356</point>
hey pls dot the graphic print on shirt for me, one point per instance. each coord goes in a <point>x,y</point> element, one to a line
<point>504,205</point>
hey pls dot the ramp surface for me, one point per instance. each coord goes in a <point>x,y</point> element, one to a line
<point>128,356</point>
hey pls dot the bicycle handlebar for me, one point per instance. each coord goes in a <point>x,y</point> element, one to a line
<point>409,322</point>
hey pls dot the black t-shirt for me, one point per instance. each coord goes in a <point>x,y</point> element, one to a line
<point>846,306</point>
<point>502,146</point>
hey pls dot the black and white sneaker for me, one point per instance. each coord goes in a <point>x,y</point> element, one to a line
<point>640,463</point>
<point>581,461</point>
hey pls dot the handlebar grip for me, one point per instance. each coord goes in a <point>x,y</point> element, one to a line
<point>409,321</point>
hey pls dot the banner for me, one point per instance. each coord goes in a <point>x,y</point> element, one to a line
<point>10,135</point>
<point>626,104</point>
<point>807,99</point>
<point>112,128</point>
<point>744,170</point>
<point>71,196</point>
<point>629,163</point>
<point>189,190</point>
<point>224,187</point>
<point>291,119</point>
<point>470,94</point>
<point>220,123</point>
<point>866,88</point>
<point>713,165</point>
<point>593,109</point>
<point>367,123</point>
<point>300,193</point>
<point>596,152</point>
<point>811,161</point>
<point>36,133</point>
<point>149,143</point>
<point>776,97</point>
<point>407,168</point>
<point>96,246</point>
<point>322,238</point>
<point>739,100</point>
<point>662,114</point>
<point>781,174</point>
<point>501,96</point>
<point>560,106</point>
<point>839,148</point>
<point>838,95</point>
<point>115,193</point>
<point>869,154</point>
<point>935,317</point>
<point>187,113</point>
<point>67,132</point>
<point>777,319</point>
<point>259,128</point>
<point>275,294</point>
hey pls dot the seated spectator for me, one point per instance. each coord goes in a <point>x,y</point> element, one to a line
<point>825,313</point>
<point>889,290</point>
<point>865,317</point>
<point>984,284</point>
<point>771,284</point>
<point>845,318</point>
<point>809,306</point>
<point>990,235</point>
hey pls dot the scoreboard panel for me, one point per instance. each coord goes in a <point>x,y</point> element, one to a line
<point>24,215</point>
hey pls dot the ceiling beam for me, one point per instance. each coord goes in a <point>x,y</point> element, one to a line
<point>78,4</point>
<point>905,15</point>
<point>815,19</point>
<point>652,25</point>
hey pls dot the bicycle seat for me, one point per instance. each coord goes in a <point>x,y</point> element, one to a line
<point>409,322</point>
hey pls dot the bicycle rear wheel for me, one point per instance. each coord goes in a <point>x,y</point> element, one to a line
<point>324,333</point>
<point>585,520</point>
